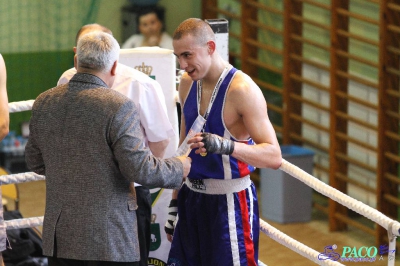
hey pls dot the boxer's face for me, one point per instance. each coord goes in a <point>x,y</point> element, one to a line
<point>193,57</point>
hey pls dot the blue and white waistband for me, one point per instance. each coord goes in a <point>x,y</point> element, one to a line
<point>218,186</point>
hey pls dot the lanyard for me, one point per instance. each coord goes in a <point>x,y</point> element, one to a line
<point>200,122</point>
<point>214,94</point>
<point>184,148</point>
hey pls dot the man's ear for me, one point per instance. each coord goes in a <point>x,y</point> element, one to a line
<point>75,61</point>
<point>211,47</point>
<point>74,49</point>
<point>114,68</point>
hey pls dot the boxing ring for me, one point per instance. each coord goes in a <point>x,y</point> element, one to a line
<point>392,226</point>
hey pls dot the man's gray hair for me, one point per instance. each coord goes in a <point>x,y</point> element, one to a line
<point>97,51</point>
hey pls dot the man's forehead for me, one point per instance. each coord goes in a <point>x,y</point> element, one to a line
<point>187,37</point>
<point>148,17</point>
<point>185,49</point>
<point>186,40</point>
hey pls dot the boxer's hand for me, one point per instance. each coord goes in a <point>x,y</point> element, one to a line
<point>172,213</point>
<point>216,144</point>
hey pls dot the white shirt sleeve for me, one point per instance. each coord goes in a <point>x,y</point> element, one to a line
<point>149,98</point>
<point>153,113</point>
<point>66,76</point>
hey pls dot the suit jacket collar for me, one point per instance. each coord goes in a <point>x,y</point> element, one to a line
<point>86,81</point>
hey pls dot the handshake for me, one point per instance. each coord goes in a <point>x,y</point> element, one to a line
<point>204,142</point>
<point>187,163</point>
<point>207,142</point>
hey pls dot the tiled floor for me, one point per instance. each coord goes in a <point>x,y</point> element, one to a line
<point>314,234</point>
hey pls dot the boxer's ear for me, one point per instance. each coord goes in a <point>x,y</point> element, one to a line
<point>211,47</point>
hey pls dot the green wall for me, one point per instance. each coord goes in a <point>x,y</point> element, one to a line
<point>29,74</point>
<point>179,10</point>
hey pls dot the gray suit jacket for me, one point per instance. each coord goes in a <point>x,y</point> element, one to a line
<point>86,140</point>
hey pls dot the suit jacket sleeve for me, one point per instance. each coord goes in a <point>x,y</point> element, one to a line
<point>33,154</point>
<point>137,163</point>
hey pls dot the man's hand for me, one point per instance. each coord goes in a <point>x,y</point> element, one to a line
<point>187,163</point>
<point>207,142</point>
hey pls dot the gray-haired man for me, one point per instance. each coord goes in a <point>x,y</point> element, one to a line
<point>87,140</point>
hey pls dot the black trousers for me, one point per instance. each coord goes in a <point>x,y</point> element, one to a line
<point>68,262</point>
<point>143,214</point>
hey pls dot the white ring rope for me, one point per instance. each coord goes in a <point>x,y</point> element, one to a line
<point>20,178</point>
<point>24,223</point>
<point>294,245</point>
<point>272,232</point>
<point>20,106</point>
<point>340,197</point>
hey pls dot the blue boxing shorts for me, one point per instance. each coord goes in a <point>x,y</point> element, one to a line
<point>218,223</point>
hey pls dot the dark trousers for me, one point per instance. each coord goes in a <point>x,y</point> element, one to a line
<point>143,214</point>
<point>68,262</point>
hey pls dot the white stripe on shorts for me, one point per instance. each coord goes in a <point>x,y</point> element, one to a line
<point>232,229</point>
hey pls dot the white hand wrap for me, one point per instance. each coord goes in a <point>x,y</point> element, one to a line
<point>172,213</point>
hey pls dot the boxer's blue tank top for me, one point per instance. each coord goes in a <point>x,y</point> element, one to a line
<point>214,165</point>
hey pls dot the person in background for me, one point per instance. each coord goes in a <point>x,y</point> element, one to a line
<point>154,123</point>
<point>151,28</point>
<point>217,206</point>
<point>86,139</point>
<point>4,113</point>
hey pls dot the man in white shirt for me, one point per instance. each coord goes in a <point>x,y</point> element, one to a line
<point>157,130</point>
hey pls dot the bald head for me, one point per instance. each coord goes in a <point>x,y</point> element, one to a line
<point>89,28</point>
<point>198,28</point>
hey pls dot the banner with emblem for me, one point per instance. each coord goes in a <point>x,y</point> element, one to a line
<point>159,64</point>
<point>159,246</point>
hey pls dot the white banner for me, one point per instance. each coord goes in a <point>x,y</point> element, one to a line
<point>159,64</point>
<point>159,246</point>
